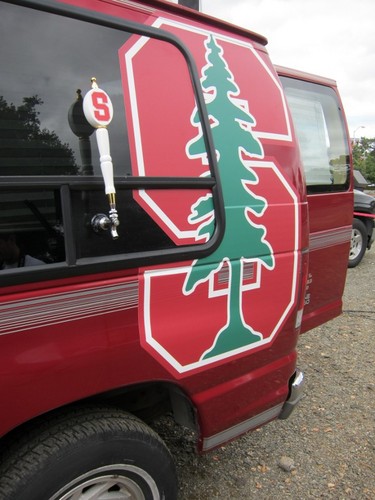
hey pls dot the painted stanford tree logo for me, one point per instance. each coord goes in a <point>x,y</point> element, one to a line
<point>237,299</point>
<point>234,141</point>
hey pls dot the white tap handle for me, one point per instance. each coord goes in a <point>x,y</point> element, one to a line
<point>98,110</point>
<point>105,159</point>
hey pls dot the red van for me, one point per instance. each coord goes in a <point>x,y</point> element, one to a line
<point>162,242</point>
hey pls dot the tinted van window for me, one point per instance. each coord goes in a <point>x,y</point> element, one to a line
<point>50,176</point>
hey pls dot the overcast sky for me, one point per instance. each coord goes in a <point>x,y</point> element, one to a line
<point>333,38</point>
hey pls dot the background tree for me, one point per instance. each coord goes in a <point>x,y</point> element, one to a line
<point>27,149</point>
<point>364,157</point>
<point>243,240</point>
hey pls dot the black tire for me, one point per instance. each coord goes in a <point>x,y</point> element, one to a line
<point>103,448</point>
<point>358,243</point>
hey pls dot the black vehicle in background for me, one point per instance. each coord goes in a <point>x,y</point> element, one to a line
<point>363,226</point>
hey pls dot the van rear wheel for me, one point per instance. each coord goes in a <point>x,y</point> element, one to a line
<point>96,453</point>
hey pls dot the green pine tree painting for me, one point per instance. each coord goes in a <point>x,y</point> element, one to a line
<point>243,240</point>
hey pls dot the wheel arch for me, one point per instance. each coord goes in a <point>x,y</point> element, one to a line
<point>146,401</point>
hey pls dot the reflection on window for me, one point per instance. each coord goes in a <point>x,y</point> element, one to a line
<point>29,149</point>
<point>320,133</point>
<point>40,86</point>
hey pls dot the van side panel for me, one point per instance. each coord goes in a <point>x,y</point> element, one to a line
<point>202,289</point>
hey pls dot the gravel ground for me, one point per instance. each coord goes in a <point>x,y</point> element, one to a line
<point>326,449</point>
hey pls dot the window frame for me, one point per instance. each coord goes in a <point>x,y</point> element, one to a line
<point>73,266</point>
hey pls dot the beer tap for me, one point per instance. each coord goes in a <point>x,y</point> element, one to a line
<point>98,110</point>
